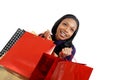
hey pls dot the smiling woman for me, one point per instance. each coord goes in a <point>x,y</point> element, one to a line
<point>63,33</point>
<point>66,29</point>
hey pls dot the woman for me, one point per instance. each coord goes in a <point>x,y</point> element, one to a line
<point>63,33</point>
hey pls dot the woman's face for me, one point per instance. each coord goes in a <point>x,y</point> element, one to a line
<point>66,29</point>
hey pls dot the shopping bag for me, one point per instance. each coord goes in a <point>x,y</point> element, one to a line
<point>66,70</point>
<point>45,67</point>
<point>23,57</point>
<point>19,32</point>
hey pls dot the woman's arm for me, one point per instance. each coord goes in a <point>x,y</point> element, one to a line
<point>66,53</point>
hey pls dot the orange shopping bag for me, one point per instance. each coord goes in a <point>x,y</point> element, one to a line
<point>66,70</point>
<point>23,57</point>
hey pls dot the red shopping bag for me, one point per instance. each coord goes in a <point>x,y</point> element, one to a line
<point>71,71</point>
<point>45,67</point>
<point>23,57</point>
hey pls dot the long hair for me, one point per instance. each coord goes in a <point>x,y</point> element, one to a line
<point>68,42</point>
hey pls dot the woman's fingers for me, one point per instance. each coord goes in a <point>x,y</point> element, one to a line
<point>66,51</point>
<point>47,35</point>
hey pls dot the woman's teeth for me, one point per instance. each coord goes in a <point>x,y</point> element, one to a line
<point>63,34</point>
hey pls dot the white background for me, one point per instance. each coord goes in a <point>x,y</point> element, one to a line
<point>98,39</point>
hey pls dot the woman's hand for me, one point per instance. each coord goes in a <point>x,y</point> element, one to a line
<point>47,35</point>
<point>65,52</point>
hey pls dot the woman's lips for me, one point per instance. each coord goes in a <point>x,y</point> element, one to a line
<point>62,34</point>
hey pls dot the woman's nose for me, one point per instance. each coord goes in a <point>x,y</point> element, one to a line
<point>67,29</point>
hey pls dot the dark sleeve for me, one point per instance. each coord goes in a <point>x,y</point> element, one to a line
<point>69,58</point>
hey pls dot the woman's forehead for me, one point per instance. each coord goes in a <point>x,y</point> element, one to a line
<point>70,21</point>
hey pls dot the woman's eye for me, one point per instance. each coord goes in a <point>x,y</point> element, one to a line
<point>72,30</point>
<point>64,24</point>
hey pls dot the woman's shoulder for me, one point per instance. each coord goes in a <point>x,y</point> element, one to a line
<point>73,49</point>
